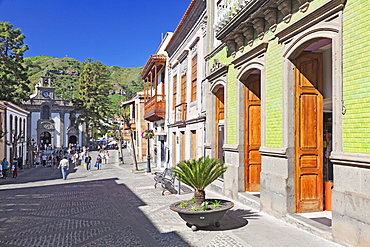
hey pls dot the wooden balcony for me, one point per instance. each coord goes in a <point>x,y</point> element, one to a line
<point>155,108</point>
<point>180,112</point>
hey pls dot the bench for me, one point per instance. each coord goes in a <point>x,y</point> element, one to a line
<point>166,179</point>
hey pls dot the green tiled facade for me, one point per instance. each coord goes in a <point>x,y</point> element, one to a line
<point>231,106</point>
<point>356,77</point>
<point>274,68</point>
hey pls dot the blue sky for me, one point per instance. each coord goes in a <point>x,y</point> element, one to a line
<point>123,33</point>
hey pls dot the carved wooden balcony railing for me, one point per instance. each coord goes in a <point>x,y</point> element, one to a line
<point>180,112</point>
<point>155,108</point>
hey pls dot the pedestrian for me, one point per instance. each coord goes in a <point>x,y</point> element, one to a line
<point>20,162</point>
<point>1,171</point>
<point>64,166</point>
<point>98,162</point>
<point>76,159</point>
<point>15,167</point>
<point>43,157</point>
<point>107,157</point>
<point>37,160</point>
<point>88,162</point>
<point>80,157</point>
<point>5,165</point>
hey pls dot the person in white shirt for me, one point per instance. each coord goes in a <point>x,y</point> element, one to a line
<point>64,166</point>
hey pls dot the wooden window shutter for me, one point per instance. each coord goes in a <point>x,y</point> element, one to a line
<point>194,78</point>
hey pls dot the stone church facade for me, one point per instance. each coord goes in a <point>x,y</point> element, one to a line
<point>51,121</point>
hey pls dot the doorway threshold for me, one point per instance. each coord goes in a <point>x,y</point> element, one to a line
<point>317,223</point>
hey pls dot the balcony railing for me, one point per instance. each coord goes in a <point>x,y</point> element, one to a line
<point>226,10</point>
<point>180,112</point>
<point>155,108</point>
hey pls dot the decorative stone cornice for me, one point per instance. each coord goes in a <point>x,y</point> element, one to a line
<point>183,55</point>
<point>249,19</point>
<point>304,5</point>
<point>218,70</point>
<point>285,6</point>
<point>270,17</point>
<point>261,48</point>
<point>248,31</point>
<point>231,45</point>
<point>239,40</point>
<point>319,14</point>
<point>259,25</point>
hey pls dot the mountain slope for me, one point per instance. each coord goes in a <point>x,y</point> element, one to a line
<point>66,71</point>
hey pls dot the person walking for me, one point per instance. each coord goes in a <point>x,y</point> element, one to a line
<point>76,159</point>
<point>37,160</point>
<point>98,161</point>
<point>88,162</point>
<point>43,157</point>
<point>5,165</point>
<point>20,162</point>
<point>15,167</point>
<point>64,166</point>
<point>107,157</point>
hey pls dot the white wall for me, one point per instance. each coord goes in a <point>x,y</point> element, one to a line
<point>56,118</point>
<point>34,117</point>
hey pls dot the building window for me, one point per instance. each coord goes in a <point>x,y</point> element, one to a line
<point>183,88</point>
<point>174,91</point>
<point>193,144</point>
<point>11,124</point>
<point>45,113</point>
<point>194,78</point>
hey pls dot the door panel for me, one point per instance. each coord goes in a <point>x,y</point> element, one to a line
<point>252,141</point>
<point>174,150</point>
<point>219,133</point>
<point>308,133</point>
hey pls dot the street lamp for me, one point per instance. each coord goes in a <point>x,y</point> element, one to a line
<point>148,134</point>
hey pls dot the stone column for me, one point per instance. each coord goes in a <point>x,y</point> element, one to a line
<point>61,130</point>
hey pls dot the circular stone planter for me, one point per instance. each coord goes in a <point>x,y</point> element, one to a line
<point>201,218</point>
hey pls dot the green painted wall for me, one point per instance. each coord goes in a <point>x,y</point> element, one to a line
<point>274,94</point>
<point>356,76</point>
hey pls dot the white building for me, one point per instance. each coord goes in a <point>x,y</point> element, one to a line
<point>185,113</point>
<point>15,139</point>
<point>51,120</point>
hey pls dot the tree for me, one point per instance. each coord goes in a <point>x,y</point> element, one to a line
<point>13,74</point>
<point>198,174</point>
<point>91,99</point>
<point>15,139</point>
<point>116,131</point>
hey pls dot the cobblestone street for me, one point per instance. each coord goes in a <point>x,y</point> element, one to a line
<point>117,207</point>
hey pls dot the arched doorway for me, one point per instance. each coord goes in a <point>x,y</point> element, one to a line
<point>252,133</point>
<point>72,140</point>
<point>45,138</point>
<point>313,97</point>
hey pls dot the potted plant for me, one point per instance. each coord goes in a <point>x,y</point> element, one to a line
<point>198,174</point>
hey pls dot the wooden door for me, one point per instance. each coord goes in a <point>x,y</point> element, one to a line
<point>174,149</point>
<point>220,115</point>
<point>308,133</point>
<point>182,145</point>
<point>252,141</point>
<point>194,144</point>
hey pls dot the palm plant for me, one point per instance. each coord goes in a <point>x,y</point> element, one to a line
<point>198,174</point>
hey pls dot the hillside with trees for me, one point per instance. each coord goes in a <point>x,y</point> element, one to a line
<point>65,73</point>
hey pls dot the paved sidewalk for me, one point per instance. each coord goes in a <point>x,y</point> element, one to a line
<point>117,206</point>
